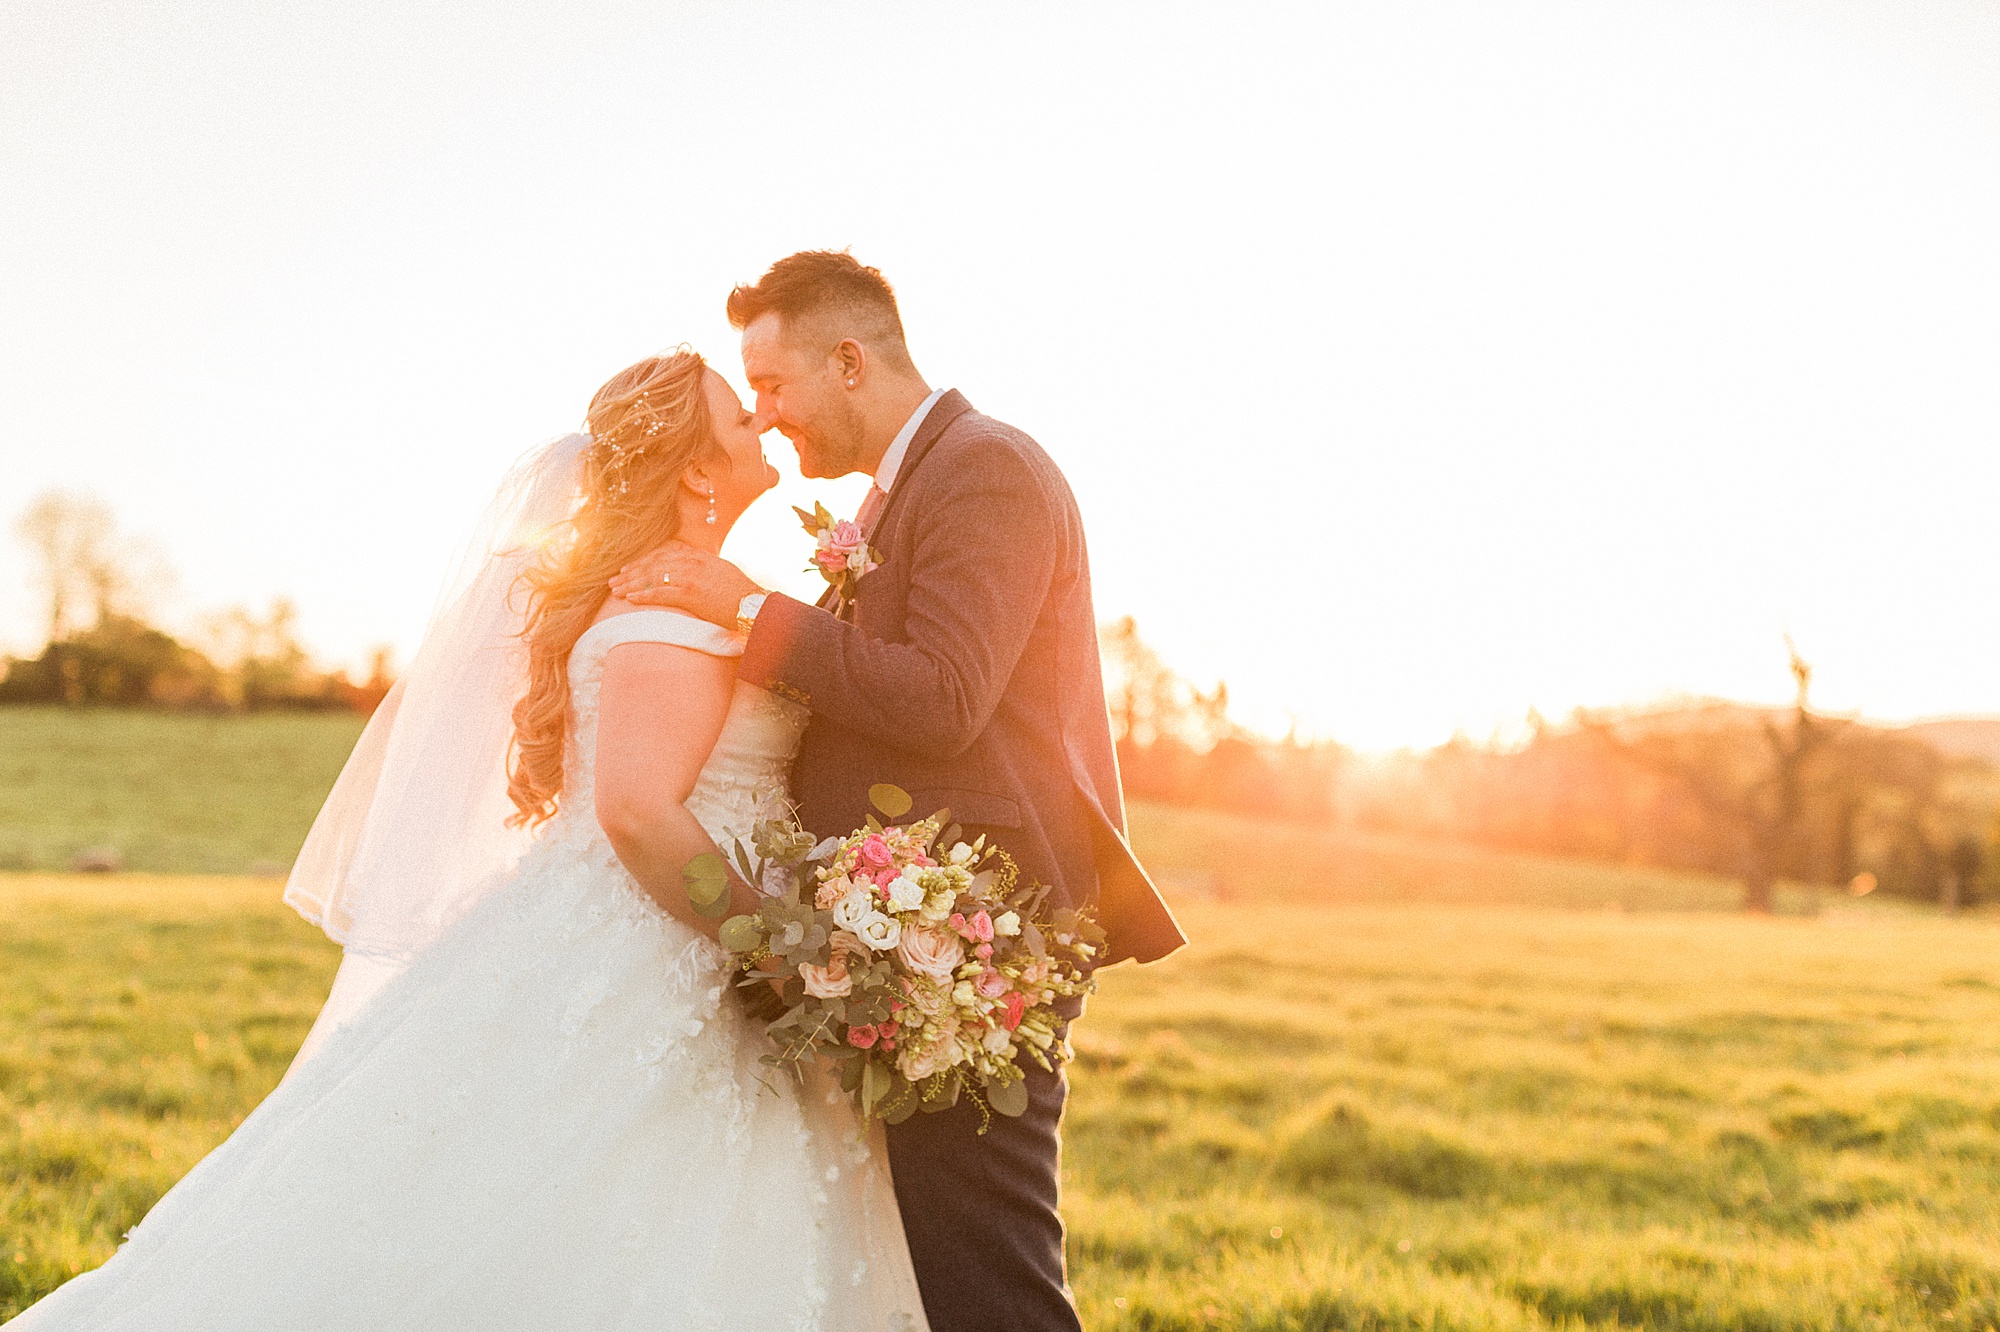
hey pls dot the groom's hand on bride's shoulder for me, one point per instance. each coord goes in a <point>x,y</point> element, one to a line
<point>679,577</point>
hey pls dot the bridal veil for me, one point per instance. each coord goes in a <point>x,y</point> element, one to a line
<point>415,830</point>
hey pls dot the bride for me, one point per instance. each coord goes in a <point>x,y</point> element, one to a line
<point>530,1101</point>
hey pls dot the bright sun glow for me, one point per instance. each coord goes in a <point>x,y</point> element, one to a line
<point>1415,364</point>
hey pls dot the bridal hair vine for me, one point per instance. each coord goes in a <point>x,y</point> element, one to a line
<point>657,397</point>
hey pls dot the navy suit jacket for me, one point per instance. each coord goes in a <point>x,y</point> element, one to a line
<point>966,672</point>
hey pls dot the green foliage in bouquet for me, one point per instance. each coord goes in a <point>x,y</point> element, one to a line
<point>918,965</point>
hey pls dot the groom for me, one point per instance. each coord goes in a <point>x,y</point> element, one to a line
<point>966,672</point>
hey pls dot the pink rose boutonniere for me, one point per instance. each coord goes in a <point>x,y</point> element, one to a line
<point>841,554</point>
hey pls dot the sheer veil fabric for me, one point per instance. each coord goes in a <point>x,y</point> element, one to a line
<point>415,830</point>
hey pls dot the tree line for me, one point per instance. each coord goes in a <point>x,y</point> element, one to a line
<point>101,648</point>
<point>1761,795</point>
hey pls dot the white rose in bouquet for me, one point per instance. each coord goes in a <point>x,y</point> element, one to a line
<point>852,909</point>
<point>878,931</point>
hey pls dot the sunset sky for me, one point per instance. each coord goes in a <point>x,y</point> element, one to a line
<point>1415,364</point>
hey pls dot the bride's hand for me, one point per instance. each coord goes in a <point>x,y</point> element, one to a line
<point>679,577</point>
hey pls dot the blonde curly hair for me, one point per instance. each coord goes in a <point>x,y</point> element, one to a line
<point>647,424</point>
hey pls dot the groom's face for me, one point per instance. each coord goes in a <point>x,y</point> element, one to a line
<point>800,391</point>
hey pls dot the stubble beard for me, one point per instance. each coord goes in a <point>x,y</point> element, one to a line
<point>835,446</point>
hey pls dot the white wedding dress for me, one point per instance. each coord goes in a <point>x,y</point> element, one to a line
<point>554,1119</point>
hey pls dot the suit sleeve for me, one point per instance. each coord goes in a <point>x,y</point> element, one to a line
<point>982,555</point>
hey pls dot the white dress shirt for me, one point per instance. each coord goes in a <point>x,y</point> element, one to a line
<point>892,461</point>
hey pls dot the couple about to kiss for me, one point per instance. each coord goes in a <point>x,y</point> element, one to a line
<point>532,1099</point>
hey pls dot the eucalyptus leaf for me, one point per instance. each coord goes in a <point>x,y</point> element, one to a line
<point>874,1084</point>
<point>902,1107</point>
<point>706,878</point>
<point>739,934</point>
<point>715,910</point>
<point>1008,1098</point>
<point>893,801</point>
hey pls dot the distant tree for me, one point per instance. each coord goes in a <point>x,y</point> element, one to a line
<point>88,571</point>
<point>1759,792</point>
<point>73,538</point>
<point>268,666</point>
<point>1178,744</point>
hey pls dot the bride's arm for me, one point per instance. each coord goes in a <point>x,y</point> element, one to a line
<point>659,714</point>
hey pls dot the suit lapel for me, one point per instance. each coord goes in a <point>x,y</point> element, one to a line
<point>943,412</point>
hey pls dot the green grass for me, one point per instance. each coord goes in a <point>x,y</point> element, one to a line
<point>1317,1117</point>
<point>179,794</point>
<point>172,793</point>
<point>1201,854</point>
<point>140,1020</point>
<point>1369,1117</point>
<point>1391,1086</point>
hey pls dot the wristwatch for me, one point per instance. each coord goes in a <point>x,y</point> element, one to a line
<point>746,612</point>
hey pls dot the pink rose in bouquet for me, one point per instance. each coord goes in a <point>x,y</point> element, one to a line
<point>930,951</point>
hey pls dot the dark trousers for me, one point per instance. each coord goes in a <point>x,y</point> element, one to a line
<point>980,1213</point>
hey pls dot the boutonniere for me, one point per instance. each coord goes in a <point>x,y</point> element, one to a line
<point>842,554</point>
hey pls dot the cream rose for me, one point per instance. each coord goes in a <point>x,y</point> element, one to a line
<point>930,951</point>
<point>852,909</point>
<point>905,894</point>
<point>878,931</point>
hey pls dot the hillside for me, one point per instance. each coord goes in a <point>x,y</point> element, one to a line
<point>1961,737</point>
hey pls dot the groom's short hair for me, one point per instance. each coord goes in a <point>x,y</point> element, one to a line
<point>829,292</point>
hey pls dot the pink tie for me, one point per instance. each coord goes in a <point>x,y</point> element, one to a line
<point>871,509</point>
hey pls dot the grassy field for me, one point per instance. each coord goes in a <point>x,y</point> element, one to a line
<point>1318,1117</point>
<point>172,794</point>
<point>230,795</point>
<point>1391,1086</point>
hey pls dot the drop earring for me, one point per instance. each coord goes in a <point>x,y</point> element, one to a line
<point>711,508</point>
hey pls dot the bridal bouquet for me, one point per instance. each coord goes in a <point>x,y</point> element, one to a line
<point>915,962</point>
